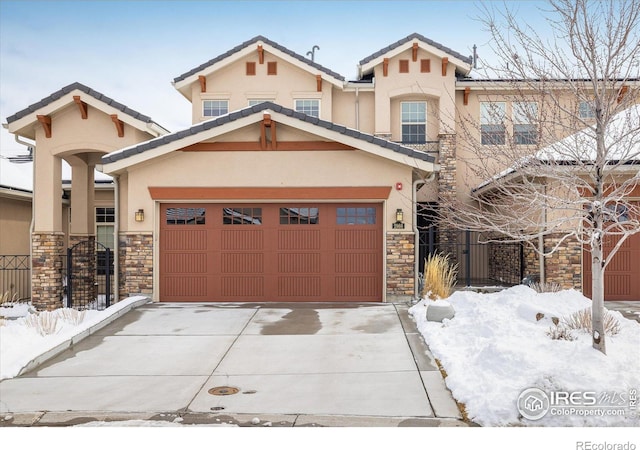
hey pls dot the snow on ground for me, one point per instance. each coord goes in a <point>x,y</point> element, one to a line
<point>495,348</point>
<point>20,344</point>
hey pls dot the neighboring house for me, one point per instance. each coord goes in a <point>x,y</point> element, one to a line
<point>293,184</point>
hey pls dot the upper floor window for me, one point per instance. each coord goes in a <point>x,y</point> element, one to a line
<point>586,110</point>
<point>215,108</point>
<point>309,107</point>
<point>525,117</point>
<point>492,127</point>
<point>413,116</point>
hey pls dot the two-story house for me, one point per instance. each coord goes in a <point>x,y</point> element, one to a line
<point>292,184</point>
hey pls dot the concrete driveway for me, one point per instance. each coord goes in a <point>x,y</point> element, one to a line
<point>302,364</point>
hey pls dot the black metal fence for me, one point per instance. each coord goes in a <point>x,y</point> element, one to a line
<point>89,281</point>
<point>15,278</point>
<point>479,263</point>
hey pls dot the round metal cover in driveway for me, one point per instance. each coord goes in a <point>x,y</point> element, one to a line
<point>223,390</point>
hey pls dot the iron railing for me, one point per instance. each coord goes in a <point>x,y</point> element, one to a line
<point>15,278</point>
<point>430,147</point>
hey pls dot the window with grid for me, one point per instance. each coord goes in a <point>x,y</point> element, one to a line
<point>309,107</point>
<point>258,101</point>
<point>525,116</point>
<point>413,116</point>
<point>215,108</point>
<point>242,216</point>
<point>299,216</point>
<point>185,216</point>
<point>356,216</point>
<point>586,110</point>
<point>105,219</point>
<point>492,127</point>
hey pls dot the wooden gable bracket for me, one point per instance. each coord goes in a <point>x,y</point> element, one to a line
<point>623,91</point>
<point>385,67</point>
<point>319,83</point>
<point>268,123</point>
<point>467,90</point>
<point>46,124</point>
<point>203,83</point>
<point>119,125</point>
<point>260,54</point>
<point>445,63</point>
<point>81,105</point>
<point>414,52</point>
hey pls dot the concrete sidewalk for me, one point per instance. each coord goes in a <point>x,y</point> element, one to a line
<point>302,364</point>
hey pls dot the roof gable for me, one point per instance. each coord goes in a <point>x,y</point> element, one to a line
<point>206,130</point>
<point>181,82</point>
<point>462,63</point>
<point>64,97</point>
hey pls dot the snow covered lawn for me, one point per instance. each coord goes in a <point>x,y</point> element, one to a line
<point>20,343</point>
<point>495,347</point>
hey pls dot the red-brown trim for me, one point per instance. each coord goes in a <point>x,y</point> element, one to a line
<point>425,65</point>
<point>46,124</point>
<point>414,52</point>
<point>260,54</point>
<point>584,192</point>
<point>203,83</point>
<point>270,193</point>
<point>385,67</point>
<point>253,146</point>
<point>82,106</point>
<point>272,68</point>
<point>319,83</point>
<point>250,68</point>
<point>119,125</point>
<point>623,91</point>
<point>403,66</point>
<point>467,91</point>
<point>445,64</point>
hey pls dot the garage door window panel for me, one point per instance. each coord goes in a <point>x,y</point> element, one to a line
<point>242,216</point>
<point>356,216</point>
<point>185,216</point>
<point>299,216</point>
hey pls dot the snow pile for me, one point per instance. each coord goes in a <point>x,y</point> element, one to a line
<point>20,344</point>
<point>496,347</point>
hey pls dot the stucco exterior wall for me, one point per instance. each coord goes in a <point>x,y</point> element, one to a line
<point>15,220</point>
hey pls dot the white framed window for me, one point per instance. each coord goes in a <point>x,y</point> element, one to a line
<point>215,108</point>
<point>525,117</point>
<point>105,225</point>
<point>586,110</point>
<point>413,118</point>
<point>492,127</point>
<point>258,101</point>
<point>310,107</point>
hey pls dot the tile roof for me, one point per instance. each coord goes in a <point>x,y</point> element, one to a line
<point>253,41</point>
<point>166,139</point>
<point>420,37</point>
<point>87,90</point>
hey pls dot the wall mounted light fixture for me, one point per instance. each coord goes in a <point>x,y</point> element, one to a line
<point>140,215</point>
<point>399,223</point>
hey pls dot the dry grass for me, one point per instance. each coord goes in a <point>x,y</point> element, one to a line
<point>44,323</point>
<point>439,277</point>
<point>561,332</point>
<point>581,320</point>
<point>545,287</point>
<point>72,316</point>
<point>461,406</point>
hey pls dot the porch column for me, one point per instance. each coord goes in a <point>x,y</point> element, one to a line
<point>48,238</point>
<point>447,193</point>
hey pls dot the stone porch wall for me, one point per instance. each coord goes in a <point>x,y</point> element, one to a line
<point>504,262</point>
<point>136,264</point>
<point>565,265</point>
<point>46,276</point>
<point>400,266</point>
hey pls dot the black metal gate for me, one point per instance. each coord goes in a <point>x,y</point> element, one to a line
<point>89,269</point>
<point>479,263</point>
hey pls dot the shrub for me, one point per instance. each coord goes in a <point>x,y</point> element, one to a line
<point>439,277</point>
<point>561,332</point>
<point>72,316</point>
<point>581,320</point>
<point>545,287</point>
<point>44,323</point>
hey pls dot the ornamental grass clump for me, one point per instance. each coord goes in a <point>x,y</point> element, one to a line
<point>439,277</point>
<point>581,320</point>
<point>44,323</point>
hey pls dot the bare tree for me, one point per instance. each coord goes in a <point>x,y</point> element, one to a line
<point>563,160</point>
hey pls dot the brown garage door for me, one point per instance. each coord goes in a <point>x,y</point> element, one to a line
<point>622,276</point>
<point>271,252</point>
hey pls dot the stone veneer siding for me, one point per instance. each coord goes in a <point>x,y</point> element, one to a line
<point>46,277</point>
<point>447,192</point>
<point>504,262</point>
<point>564,266</point>
<point>85,289</point>
<point>136,264</point>
<point>400,266</point>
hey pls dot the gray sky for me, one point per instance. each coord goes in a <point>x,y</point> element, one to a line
<point>131,50</point>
